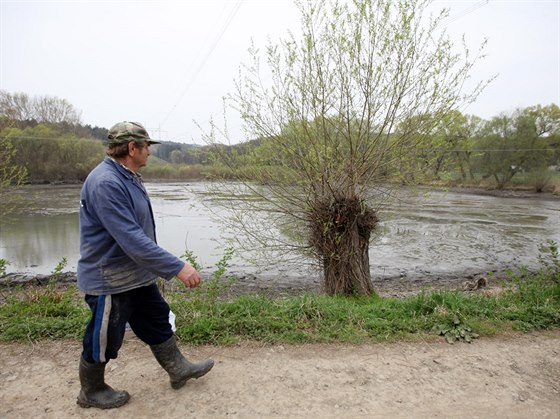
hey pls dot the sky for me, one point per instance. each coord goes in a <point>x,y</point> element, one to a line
<point>168,64</point>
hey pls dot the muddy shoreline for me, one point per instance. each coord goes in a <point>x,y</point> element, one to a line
<point>280,285</point>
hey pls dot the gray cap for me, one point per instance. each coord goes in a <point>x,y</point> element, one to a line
<point>124,132</point>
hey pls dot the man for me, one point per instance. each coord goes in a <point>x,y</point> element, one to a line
<point>119,264</point>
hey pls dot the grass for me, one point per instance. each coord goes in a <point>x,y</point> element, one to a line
<point>35,312</point>
<point>320,318</point>
<point>529,301</point>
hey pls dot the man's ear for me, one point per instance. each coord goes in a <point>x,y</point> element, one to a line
<point>131,148</point>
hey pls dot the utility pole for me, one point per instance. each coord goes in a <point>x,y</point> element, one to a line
<point>158,130</point>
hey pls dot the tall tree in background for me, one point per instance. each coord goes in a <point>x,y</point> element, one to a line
<point>518,142</point>
<point>328,103</point>
<point>449,147</point>
<point>49,109</point>
<point>468,129</point>
<point>16,106</point>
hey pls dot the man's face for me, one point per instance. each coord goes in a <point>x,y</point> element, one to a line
<point>139,154</point>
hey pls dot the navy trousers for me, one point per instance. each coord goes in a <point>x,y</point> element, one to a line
<point>143,308</point>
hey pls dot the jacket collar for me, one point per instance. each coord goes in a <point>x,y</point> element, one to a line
<point>123,169</point>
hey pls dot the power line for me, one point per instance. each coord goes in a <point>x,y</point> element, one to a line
<point>465,12</point>
<point>17,137</point>
<point>217,39</point>
<point>496,150</point>
<point>477,150</point>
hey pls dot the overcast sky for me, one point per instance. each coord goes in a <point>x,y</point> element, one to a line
<point>167,63</point>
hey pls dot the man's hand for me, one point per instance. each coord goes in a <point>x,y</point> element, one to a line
<point>189,276</point>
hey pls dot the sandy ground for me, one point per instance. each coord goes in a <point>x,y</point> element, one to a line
<point>507,377</point>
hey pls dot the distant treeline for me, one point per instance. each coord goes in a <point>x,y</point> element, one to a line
<point>522,147</point>
<point>52,152</point>
<point>32,128</point>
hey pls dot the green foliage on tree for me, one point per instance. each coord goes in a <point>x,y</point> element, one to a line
<point>523,141</point>
<point>44,139</point>
<point>448,147</point>
<point>49,154</point>
<point>11,175</point>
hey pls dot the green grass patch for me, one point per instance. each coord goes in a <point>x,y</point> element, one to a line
<point>40,312</point>
<point>310,318</point>
<point>528,301</point>
<point>323,319</point>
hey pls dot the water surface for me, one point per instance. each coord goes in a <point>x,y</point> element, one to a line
<point>435,234</point>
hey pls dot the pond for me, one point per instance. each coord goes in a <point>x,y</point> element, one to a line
<point>419,234</point>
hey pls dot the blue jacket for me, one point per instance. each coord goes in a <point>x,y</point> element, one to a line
<point>118,249</point>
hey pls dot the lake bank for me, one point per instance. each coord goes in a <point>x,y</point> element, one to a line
<point>280,285</point>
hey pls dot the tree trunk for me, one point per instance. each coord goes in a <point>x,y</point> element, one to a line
<point>341,231</point>
<point>349,273</point>
<point>461,168</point>
<point>439,164</point>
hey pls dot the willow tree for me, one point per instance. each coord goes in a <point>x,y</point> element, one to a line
<point>325,104</point>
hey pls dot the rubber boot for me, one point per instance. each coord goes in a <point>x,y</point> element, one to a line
<point>94,391</point>
<point>179,369</point>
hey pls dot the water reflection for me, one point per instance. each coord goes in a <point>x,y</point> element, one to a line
<point>428,235</point>
<point>36,243</point>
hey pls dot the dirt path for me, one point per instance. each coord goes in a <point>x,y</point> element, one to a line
<point>507,377</point>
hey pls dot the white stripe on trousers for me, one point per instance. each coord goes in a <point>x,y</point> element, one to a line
<point>103,328</point>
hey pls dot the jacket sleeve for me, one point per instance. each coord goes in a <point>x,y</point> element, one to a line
<point>115,210</point>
